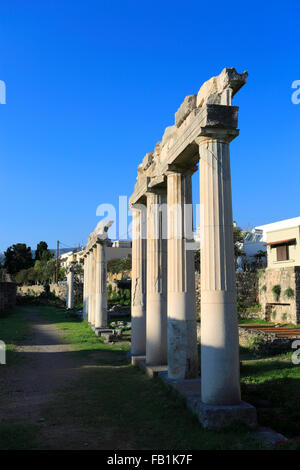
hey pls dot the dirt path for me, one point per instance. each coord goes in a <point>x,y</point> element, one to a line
<point>45,366</point>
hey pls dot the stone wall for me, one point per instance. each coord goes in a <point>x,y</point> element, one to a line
<point>60,290</point>
<point>285,308</point>
<point>7,295</point>
<point>247,289</point>
<point>262,343</point>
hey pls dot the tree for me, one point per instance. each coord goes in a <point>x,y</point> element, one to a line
<point>18,257</point>
<point>42,251</point>
<point>197,261</point>
<point>238,240</point>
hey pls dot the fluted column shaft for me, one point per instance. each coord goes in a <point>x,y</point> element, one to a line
<point>138,283</point>
<point>93,286</point>
<point>90,285</point>
<point>100,287</point>
<point>85,283</point>
<point>219,328</point>
<point>182,326</point>
<point>156,316</point>
<point>70,287</point>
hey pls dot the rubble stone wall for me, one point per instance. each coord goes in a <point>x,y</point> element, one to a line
<point>285,308</point>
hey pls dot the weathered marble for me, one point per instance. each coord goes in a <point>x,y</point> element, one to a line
<point>204,127</point>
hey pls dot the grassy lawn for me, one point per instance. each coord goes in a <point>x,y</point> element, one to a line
<point>255,321</point>
<point>276,380</point>
<point>118,400</point>
<point>124,408</point>
<point>78,333</point>
<point>14,329</point>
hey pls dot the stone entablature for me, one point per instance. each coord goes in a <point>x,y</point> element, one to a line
<point>209,114</point>
<point>284,307</point>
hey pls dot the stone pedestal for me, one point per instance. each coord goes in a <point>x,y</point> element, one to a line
<point>220,378</point>
<point>182,329</point>
<point>100,287</point>
<point>138,283</point>
<point>156,317</point>
<point>70,288</point>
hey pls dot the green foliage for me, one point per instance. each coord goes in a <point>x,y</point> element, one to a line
<point>197,261</point>
<point>273,315</point>
<point>289,293</point>
<point>284,316</point>
<point>260,255</point>
<point>18,257</point>
<point>263,288</point>
<point>238,238</point>
<point>276,292</point>
<point>260,272</point>
<point>116,266</point>
<point>42,252</point>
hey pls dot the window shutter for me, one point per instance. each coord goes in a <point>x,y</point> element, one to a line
<point>282,253</point>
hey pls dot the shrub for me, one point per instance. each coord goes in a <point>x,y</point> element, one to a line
<point>260,272</point>
<point>276,291</point>
<point>289,293</point>
<point>284,317</point>
<point>263,288</point>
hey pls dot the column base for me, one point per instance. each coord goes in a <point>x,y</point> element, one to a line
<point>211,416</point>
<point>103,331</point>
<point>151,371</point>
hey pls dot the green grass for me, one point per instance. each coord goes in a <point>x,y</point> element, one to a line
<point>276,380</point>
<point>119,404</point>
<point>112,395</point>
<point>17,436</point>
<point>14,329</point>
<point>255,321</point>
<point>76,332</point>
<point>125,405</point>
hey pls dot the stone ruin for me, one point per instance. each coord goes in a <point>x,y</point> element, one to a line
<point>164,336</point>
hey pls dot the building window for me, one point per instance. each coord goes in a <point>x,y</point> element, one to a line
<point>282,252</point>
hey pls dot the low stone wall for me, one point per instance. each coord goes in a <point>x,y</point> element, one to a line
<point>60,290</point>
<point>263,343</point>
<point>8,292</point>
<point>246,285</point>
<point>285,308</point>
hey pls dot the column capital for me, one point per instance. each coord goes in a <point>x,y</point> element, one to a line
<point>156,192</point>
<point>181,169</point>
<point>209,134</point>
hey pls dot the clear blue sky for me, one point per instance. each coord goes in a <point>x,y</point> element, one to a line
<point>91,86</point>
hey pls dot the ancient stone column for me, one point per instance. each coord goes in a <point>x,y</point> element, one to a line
<point>93,286</point>
<point>182,326</point>
<point>219,328</point>
<point>70,287</point>
<point>90,286</point>
<point>156,303</point>
<point>85,286</point>
<point>138,283</point>
<point>100,287</point>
